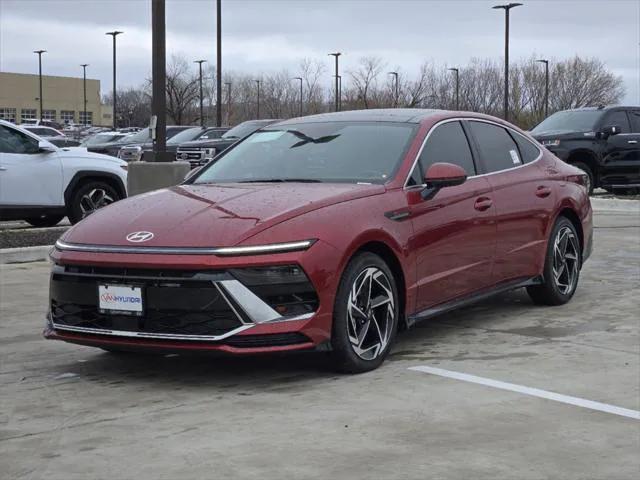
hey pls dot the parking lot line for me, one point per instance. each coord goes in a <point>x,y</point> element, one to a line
<point>535,392</point>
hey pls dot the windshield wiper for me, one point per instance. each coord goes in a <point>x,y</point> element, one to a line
<point>282,180</point>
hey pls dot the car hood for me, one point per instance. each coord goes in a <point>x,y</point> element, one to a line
<point>209,142</point>
<point>70,153</point>
<point>210,215</point>
<point>553,134</point>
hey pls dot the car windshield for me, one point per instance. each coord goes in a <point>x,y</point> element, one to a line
<point>569,121</point>
<point>102,138</point>
<point>242,130</point>
<point>140,137</point>
<point>186,135</point>
<point>350,152</point>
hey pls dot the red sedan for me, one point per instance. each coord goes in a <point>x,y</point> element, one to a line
<point>327,232</point>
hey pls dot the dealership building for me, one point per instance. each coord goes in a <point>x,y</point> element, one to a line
<point>62,99</point>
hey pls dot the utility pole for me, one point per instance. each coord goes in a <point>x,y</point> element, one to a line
<point>457,72</point>
<point>200,62</point>
<point>39,53</point>
<point>159,80</point>
<point>114,34</point>
<point>546,86</point>
<point>84,90</point>
<point>300,78</point>
<point>228,84</point>
<point>337,54</point>
<point>219,65</point>
<point>395,100</point>
<point>507,7</point>
<point>258,101</point>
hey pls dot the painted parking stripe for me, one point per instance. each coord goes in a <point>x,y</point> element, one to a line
<point>535,392</point>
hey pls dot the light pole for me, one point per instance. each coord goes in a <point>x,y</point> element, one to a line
<point>258,100</point>
<point>299,78</point>
<point>457,72</point>
<point>228,84</point>
<point>219,65</point>
<point>395,101</point>
<point>39,53</point>
<point>114,34</point>
<point>507,7</point>
<point>200,62</point>
<point>546,86</point>
<point>337,54</point>
<point>84,90</point>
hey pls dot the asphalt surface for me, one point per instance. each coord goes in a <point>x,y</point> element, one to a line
<point>71,412</point>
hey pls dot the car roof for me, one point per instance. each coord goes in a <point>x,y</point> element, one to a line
<point>401,115</point>
<point>602,108</point>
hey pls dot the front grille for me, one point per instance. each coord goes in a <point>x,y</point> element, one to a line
<point>269,340</point>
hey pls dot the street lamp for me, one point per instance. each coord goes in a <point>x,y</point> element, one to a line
<point>219,65</point>
<point>228,84</point>
<point>457,72</point>
<point>546,86</point>
<point>39,53</point>
<point>507,7</point>
<point>200,62</point>
<point>395,75</point>
<point>299,78</point>
<point>114,34</point>
<point>84,90</point>
<point>258,100</point>
<point>337,54</point>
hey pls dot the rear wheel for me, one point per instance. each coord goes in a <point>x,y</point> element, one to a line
<point>91,197</point>
<point>590,175</point>
<point>44,220</point>
<point>561,268</point>
<point>365,316</point>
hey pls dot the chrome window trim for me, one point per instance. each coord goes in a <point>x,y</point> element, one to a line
<point>470,119</point>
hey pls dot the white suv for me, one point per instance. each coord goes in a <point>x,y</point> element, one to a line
<point>41,183</point>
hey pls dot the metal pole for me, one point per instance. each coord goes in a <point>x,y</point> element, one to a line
<point>114,34</point>
<point>457,72</point>
<point>159,79</point>
<point>300,78</point>
<point>337,54</point>
<point>40,52</point>
<point>200,62</point>
<point>506,9</point>
<point>84,90</point>
<point>546,86</point>
<point>340,92</point>
<point>258,101</point>
<point>395,100</point>
<point>219,65</point>
<point>228,84</point>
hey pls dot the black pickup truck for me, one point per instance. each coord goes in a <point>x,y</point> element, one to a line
<point>201,152</point>
<point>604,142</point>
<point>143,137</point>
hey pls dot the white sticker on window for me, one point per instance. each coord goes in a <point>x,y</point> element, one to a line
<point>514,157</point>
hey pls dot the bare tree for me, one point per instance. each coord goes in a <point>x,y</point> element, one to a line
<point>182,90</point>
<point>365,79</point>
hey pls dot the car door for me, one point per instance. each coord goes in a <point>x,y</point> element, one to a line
<point>524,198</point>
<point>454,232</point>
<point>28,176</point>
<point>621,159</point>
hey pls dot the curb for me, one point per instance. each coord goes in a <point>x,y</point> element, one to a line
<point>615,205</point>
<point>25,254</point>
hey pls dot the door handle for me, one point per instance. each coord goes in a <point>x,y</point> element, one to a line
<point>483,203</point>
<point>543,191</point>
<point>632,142</point>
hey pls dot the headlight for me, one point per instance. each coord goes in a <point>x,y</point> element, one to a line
<point>209,153</point>
<point>551,143</point>
<point>263,249</point>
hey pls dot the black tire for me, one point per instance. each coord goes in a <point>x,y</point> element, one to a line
<point>78,207</point>
<point>590,175</point>
<point>344,356</point>
<point>554,290</point>
<point>44,220</point>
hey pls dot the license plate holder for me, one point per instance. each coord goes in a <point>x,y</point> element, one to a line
<point>120,299</point>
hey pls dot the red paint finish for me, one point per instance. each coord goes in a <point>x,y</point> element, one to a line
<point>490,229</point>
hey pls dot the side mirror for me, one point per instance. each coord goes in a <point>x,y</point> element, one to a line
<point>442,175</point>
<point>610,130</point>
<point>45,147</point>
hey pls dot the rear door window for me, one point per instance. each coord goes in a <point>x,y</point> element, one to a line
<point>528,151</point>
<point>497,149</point>
<point>619,118</point>
<point>634,116</point>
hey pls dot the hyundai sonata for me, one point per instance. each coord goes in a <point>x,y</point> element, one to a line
<point>328,233</point>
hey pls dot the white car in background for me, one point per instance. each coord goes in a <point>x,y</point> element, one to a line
<point>41,183</point>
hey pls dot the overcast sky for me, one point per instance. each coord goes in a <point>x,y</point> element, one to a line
<point>267,35</point>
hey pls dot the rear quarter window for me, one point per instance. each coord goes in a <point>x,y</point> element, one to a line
<point>498,150</point>
<point>528,151</point>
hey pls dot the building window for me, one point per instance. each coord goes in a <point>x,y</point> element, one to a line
<point>8,114</point>
<point>27,114</point>
<point>88,120</point>
<point>67,116</point>
<point>49,115</point>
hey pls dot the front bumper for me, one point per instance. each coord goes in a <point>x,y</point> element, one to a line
<point>189,308</point>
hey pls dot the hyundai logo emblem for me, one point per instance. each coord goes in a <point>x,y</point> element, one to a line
<point>184,156</point>
<point>138,237</point>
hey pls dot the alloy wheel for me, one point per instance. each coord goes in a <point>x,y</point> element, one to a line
<point>370,310</point>
<point>565,260</point>
<point>93,200</point>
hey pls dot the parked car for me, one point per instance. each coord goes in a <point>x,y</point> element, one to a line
<point>143,137</point>
<point>603,142</point>
<point>326,232</point>
<point>51,135</point>
<point>41,183</point>
<point>102,138</point>
<point>137,152</point>
<point>200,152</point>
<point>43,123</point>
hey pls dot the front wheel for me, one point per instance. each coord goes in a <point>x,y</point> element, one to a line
<point>365,315</point>
<point>89,198</point>
<point>561,267</point>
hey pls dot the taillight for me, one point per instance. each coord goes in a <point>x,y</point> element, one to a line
<point>580,179</point>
